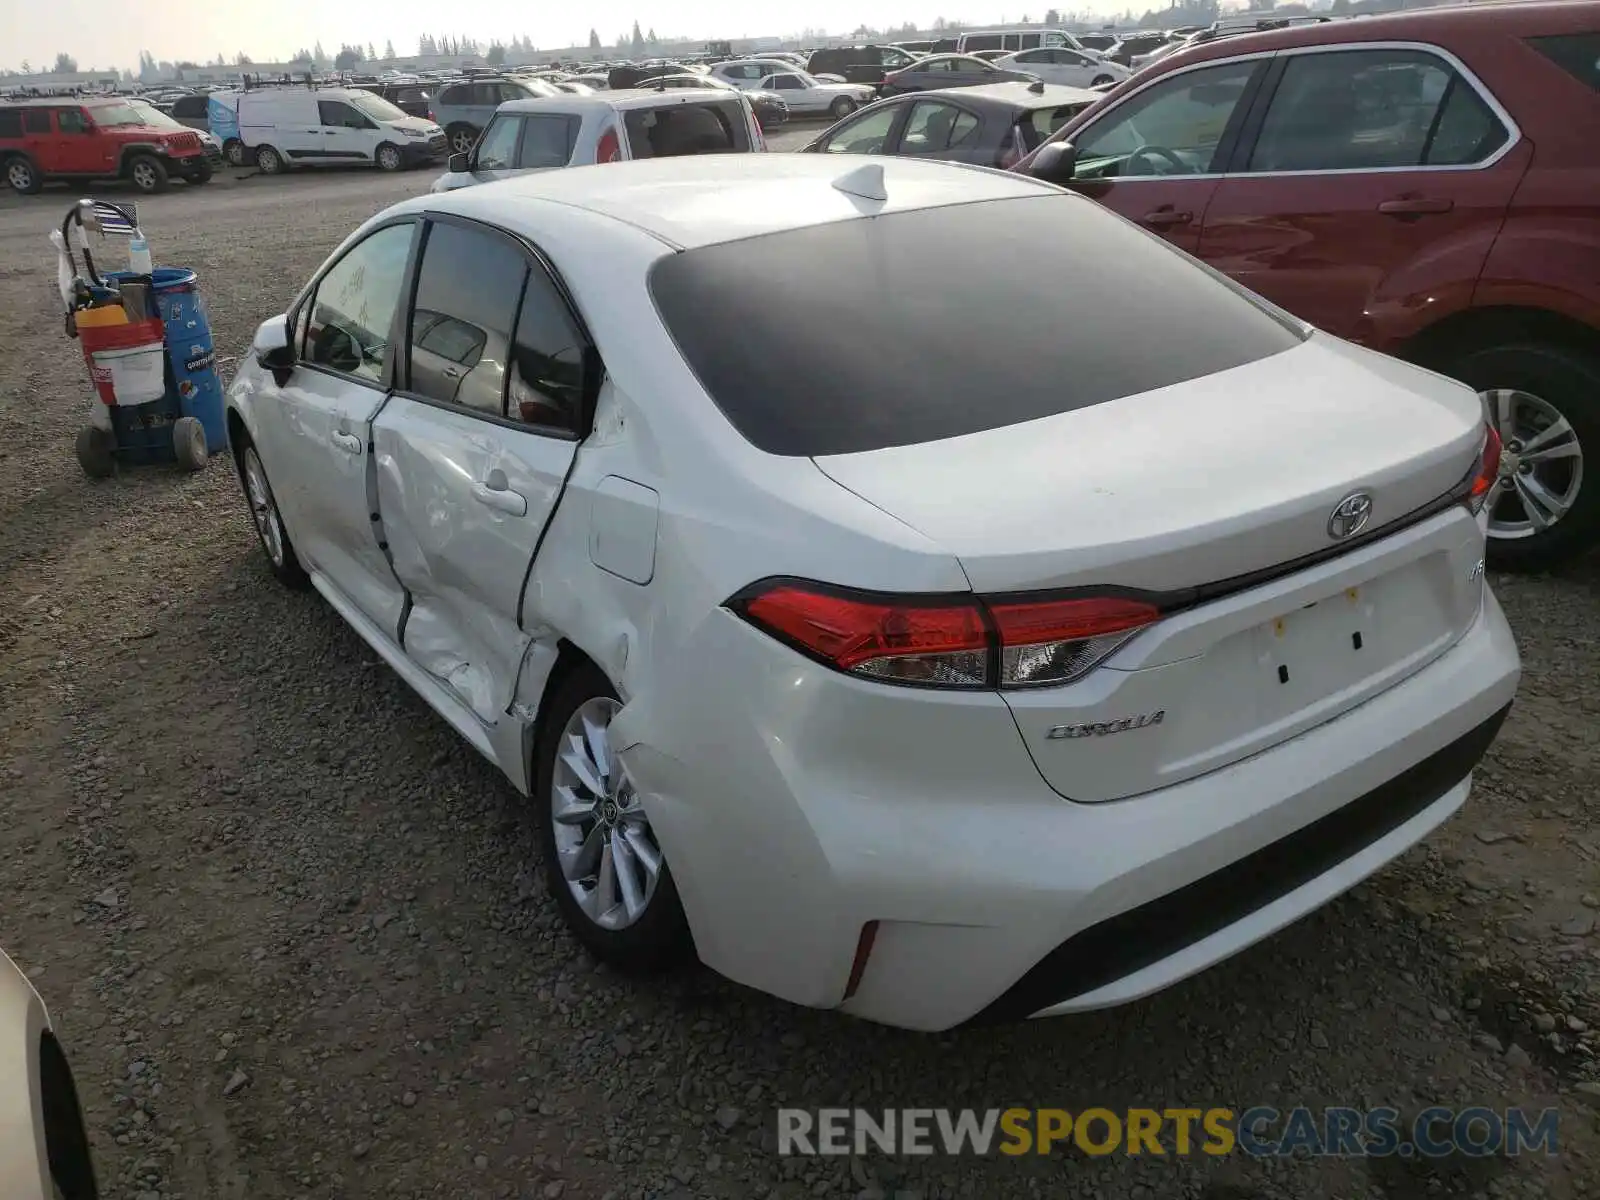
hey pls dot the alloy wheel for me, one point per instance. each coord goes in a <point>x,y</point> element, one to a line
<point>462,141</point>
<point>608,854</point>
<point>144,177</point>
<point>1541,464</point>
<point>263,508</point>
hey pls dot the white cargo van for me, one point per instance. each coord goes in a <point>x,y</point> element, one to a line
<point>303,127</point>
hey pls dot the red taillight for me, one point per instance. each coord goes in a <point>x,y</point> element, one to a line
<point>1488,471</point>
<point>966,642</point>
<point>905,641</point>
<point>610,149</point>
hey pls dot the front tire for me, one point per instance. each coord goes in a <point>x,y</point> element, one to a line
<point>602,863</point>
<point>23,176</point>
<point>270,531</point>
<point>1544,401</point>
<point>1102,80</point>
<point>841,108</point>
<point>269,161</point>
<point>388,158</point>
<point>201,174</point>
<point>148,174</point>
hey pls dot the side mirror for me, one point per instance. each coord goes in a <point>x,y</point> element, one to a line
<point>272,348</point>
<point>1055,162</point>
<point>459,163</point>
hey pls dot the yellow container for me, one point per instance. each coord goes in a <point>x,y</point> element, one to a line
<point>98,318</point>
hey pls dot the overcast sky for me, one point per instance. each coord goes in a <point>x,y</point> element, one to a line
<point>99,34</point>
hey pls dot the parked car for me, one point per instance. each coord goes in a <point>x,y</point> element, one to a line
<point>632,75</point>
<point>807,96</point>
<point>281,128</point>
<point>181,116</point>
<point>770,108</point>
<point>83,138</point>
<point>989,125</point>
<point>859,64</point>
<point>1424,183</point>
<point>44,1142</point>
<point>990,56</point>
<point>464,108</point>
<point>1137,45</point>
<point>747,73</point>
<point>1070,68</point>
<point>409,96</point>
<point>570,131</point>
<point>1100,42</point>
<point>694,598</point>
<point>1026,37</point>
<point>939,71</point>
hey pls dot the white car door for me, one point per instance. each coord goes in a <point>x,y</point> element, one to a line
<point>471,462</point>
<point>314,437</point>
<point>347,135</point>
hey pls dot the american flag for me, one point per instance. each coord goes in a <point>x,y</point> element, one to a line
<point>117,218</point>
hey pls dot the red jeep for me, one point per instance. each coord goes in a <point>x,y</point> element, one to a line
<point>88,138</point>
<point>1426,183</point>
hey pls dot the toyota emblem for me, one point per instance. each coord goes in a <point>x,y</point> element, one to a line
<point>1350,516</point>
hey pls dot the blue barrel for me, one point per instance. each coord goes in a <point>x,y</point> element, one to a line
<point>191,356</point>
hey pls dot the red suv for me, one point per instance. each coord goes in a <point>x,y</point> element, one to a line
<point>113,138</point>
<point>1423,183</point>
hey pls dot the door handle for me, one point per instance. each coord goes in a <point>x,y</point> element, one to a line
<point>497,494</point>
<point>1415,206</point>
<point>1163,218</point>
<point>348,442</point>
<point>451,372</point>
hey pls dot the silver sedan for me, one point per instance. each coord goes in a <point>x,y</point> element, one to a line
<point>807,95</point>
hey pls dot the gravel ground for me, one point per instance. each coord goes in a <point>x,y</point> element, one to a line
<point>287,925</point>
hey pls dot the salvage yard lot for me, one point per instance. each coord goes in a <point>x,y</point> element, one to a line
<point>286,922</point>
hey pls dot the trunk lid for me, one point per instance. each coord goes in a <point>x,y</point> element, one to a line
<point>1223,477</point>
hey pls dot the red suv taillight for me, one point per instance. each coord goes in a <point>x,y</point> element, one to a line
<point>958,641</point>
<point>1488,471</point>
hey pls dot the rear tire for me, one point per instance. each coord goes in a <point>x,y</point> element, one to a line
<point>23,176</point>
<point>148,174</point>
<point>1523,385</point>
<point>462,138</point>
<point>658,937</point>
<point>96,450</point>
<point>269,161</point>
<point>235,153</point>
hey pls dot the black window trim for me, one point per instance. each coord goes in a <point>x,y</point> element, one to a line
<point>900,106</point>
<point>535,260</point>
<point>1245,146</point>
<point>516,148</point>
<point>948,101</point>
<point>308,296</point>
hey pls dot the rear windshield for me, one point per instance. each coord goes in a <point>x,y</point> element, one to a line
<point>934,323</point>
<point>714,127</point>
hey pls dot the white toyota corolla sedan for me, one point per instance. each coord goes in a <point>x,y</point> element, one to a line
<point>914,588</point>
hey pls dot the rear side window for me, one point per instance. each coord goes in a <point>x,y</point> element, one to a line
<point>1578,54</point>
<point>467,292</point>
<point>460,94</point>
<point>866,343</point>
<point>715,127</point>
<point>10,122</point>
<point>37,120</point>
<point>1371,109</point>
<point>549,362</point>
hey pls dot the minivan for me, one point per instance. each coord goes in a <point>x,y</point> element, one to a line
<point>859,64</point>
<point>280,128</point>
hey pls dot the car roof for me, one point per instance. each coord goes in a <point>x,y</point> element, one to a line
<point>619,100</point>
<point>1016,94</point>
<point>701,200</point>
<point>1512,16</point>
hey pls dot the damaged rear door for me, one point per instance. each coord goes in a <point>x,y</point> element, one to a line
<point>473,450</point>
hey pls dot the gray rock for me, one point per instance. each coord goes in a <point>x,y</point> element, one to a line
<point>235,1081</point>
<point>728,1117</point>
<point>1543,1022</point>
<point>1588,1091</point>
<point>1490,836</point>
<point>107,898</point>
<point>1488,1041</point>
<point>1517,1056</point>
<point>1578,925</point>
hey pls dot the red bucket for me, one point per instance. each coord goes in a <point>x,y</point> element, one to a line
<point>139,335</point>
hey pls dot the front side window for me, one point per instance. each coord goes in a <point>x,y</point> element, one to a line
<point>935,127</point>
<point>1373,109</point>
<point>377,108</point>
<point>548,360</point>
<point>71,120</point>
<point>353,307</point>
<point>460,329</point>
<point>787,83</point>
<point>497,151</point>
<point>336,114</point>
<point>547,140</point>
<point>1171,128</point>
<point>866,134</point>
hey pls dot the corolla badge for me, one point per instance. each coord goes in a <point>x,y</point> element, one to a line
<point>1101,728</point>
<point>1350,516</point>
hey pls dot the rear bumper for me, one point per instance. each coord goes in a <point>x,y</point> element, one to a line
<point>796,805</point>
